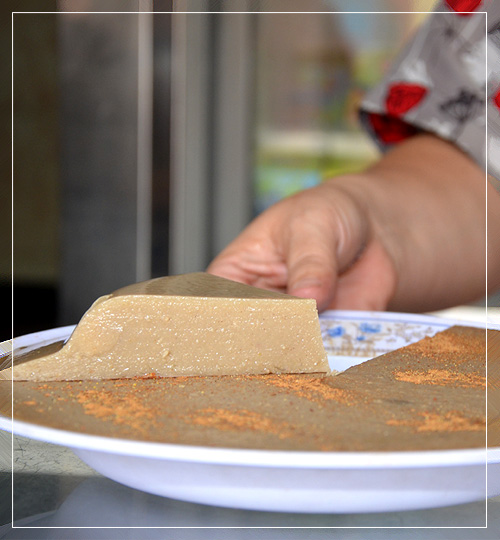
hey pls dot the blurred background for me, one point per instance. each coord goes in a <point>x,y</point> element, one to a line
<point>148,133</point>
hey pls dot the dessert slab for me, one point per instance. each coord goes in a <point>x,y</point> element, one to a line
<point>385,475</point>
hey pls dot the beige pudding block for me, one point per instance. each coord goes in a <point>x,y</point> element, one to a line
<point>191,324</point>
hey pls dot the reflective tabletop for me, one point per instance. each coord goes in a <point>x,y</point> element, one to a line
<point>53,491</point>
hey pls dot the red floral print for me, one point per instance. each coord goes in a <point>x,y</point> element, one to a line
<point>390,130</point>
<point>464,6</point>
<point>403,96</point>
<point>496,99</point>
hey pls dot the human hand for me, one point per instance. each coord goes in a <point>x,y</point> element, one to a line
<point>321,243</point>
<point>408,235</point>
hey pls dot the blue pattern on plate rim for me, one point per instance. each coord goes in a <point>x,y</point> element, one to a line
<point>370,334</point>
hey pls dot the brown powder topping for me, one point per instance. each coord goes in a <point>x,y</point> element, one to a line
<point>240,420</point>
<point>441,377</point>
<point>450,421</point>
<point>445,345</point>
<point>313,389</point>
<point>104,405</point>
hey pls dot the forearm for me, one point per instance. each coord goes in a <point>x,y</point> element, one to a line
<point>428,205</point>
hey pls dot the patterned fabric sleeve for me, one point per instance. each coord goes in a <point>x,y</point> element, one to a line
<point>440,83</point>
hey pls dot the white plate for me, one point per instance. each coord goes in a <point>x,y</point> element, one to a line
<point>320,482</point>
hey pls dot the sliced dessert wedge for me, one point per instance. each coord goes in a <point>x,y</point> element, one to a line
<point>191,324</point>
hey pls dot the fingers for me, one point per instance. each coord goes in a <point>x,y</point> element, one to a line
<point>253,258</point>
<point>228,267</point>
<point>271,275</point>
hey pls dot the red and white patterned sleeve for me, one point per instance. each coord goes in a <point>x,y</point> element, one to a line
<point>446,82</point>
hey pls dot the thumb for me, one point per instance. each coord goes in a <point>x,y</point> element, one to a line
<point>312,265</point>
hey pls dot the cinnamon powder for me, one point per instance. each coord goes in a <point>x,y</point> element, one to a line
<point>239,420</point>
<point>443,344</point>
<point>441,377</point>
<point>451,421</point>
<point>312,389</point>
<point>105,406</point>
